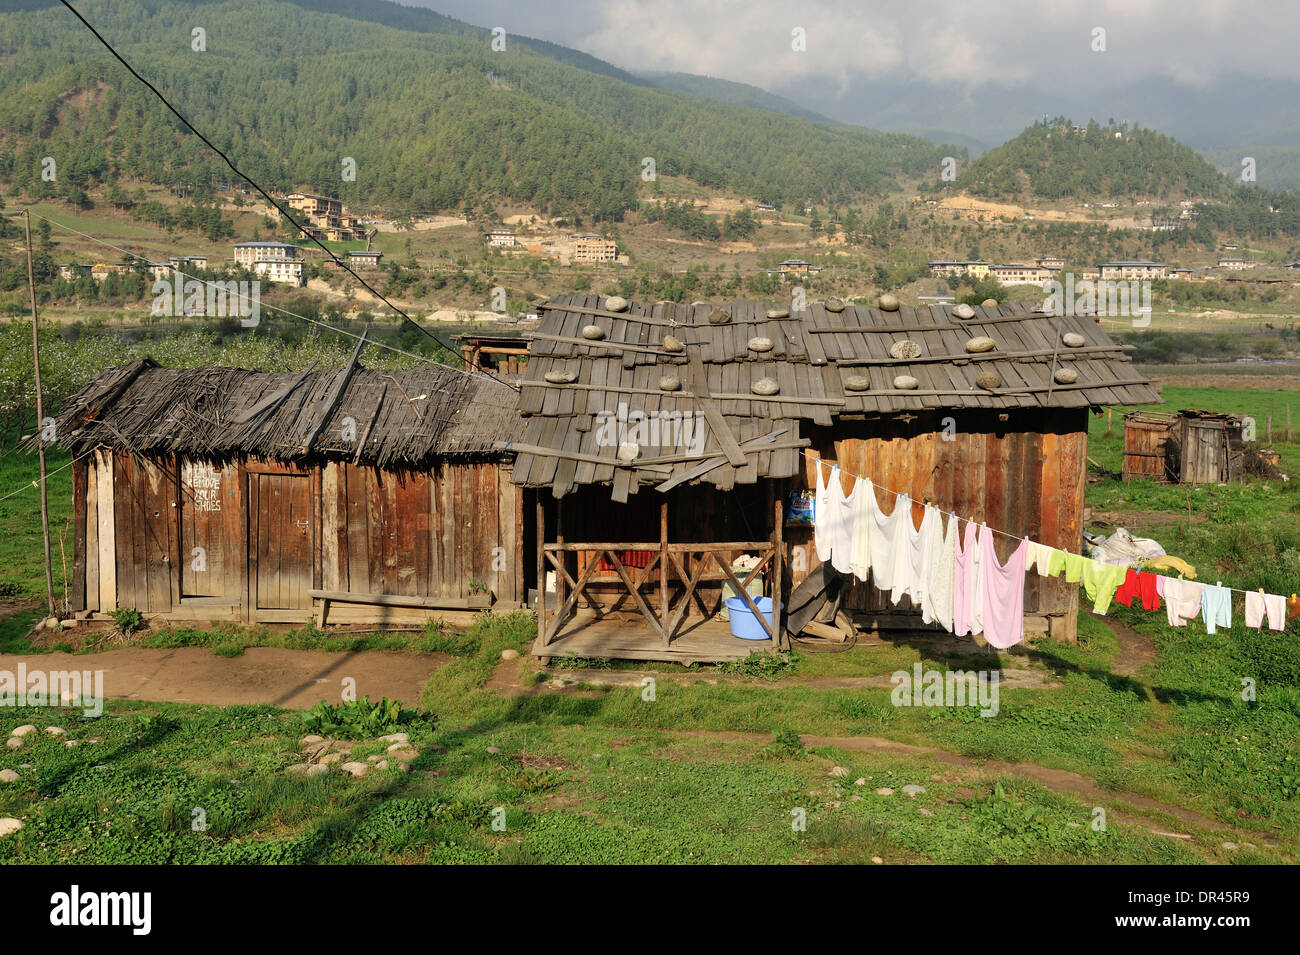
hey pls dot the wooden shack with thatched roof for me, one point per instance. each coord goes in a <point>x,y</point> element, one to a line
<point>347,496</point>
<point>664,441</point>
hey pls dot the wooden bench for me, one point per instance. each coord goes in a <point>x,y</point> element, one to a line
<point>326,597</point>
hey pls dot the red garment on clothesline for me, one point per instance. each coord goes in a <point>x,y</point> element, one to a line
<point>1140,586</point>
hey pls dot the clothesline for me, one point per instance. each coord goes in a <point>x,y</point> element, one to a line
<point>817,459</point>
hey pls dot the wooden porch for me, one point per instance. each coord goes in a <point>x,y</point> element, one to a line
<point>623,636</point>
<point>654,600</point>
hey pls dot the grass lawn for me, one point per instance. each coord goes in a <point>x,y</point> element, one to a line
<point>712,770</point>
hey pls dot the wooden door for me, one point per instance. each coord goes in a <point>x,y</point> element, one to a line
<point>284,525</point>
<point>209,531</point>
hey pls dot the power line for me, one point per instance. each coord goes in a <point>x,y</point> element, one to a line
<point>284,212</point>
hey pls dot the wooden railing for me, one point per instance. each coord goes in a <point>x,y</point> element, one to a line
<point>689,563</point>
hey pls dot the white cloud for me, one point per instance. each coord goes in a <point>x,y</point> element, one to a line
<point>1010,42</point>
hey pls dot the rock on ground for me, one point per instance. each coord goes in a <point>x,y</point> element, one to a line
<point>307,769</point>
<point>9,825</point>
<point>8,776</point>
<point>356,770</point>
<point>24,730</point>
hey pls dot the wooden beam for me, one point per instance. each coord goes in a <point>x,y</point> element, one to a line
<point>325,407</point>
<point>730,447</point>
<point>700,548</point>
<point>765,443</point>
<point>686,395</point>
<point>474,602</point>
<point>1064,355</point>
<point>635,592</point>
<point>597,343</point>
<point>663,568</point>
<point>778,571</point>
<point>275,398</point>
<point>541,570</point>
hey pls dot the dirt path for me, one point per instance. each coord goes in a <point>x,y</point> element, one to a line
<point>506,679</point>
<point>1136,650</point>
<point>1057,780</point>
<point>297,679</point>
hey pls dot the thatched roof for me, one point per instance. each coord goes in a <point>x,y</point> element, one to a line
<point>824,362</point>
<point>406,418</point>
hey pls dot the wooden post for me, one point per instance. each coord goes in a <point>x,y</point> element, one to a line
<point>1268,430</point>
<point>40,417</point>
<point>541,568</point>
<point>663,571</point>
<point>1109,411</point>
<point>1289,438</point>
<point>564,558</point>
<point>778,569</point>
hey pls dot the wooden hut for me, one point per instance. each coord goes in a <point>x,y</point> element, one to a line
<point>1190,447</point>
<point>350,496</point>
<point>639,530</point>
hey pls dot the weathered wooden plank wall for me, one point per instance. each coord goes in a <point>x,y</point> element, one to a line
<point>1025,476</point>
<point>270,532</point>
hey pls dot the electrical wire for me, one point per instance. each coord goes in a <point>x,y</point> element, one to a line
<point>275,308</point>
<point>284,212</point>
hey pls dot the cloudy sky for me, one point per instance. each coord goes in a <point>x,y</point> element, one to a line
<point>979,57</point>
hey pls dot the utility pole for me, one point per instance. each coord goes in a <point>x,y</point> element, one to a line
<point>40,415</point>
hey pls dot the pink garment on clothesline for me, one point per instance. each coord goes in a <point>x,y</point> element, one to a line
<point>1182,600</point>
<point>963,579</point>
<point>1004,594</point>
<point>1258,606</point>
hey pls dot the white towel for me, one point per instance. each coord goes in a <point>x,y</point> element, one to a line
<point>823,516</point>
<point>884,530</point>
<point>844,507</point>
<point>860,554</point>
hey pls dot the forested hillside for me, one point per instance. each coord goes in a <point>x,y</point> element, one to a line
<point>434,118</point>
<point>1056,160</point>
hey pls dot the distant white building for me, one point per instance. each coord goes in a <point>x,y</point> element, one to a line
<point>282,271</point>
<point>1130,271</point>
<point>1019,274</point>
<point>249,253</point>
<point>502,239</point>
<point>273,261</point>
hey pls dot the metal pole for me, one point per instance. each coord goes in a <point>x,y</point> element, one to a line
<point>40,415</point>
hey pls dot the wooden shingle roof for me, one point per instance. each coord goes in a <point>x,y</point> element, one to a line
<point>814,354</point>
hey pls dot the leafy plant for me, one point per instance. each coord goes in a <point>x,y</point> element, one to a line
<point>767,666</point>
<point>127,620</point>
<point>359,718</point>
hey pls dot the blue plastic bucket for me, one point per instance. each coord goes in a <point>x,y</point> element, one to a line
<point>744,624</point>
